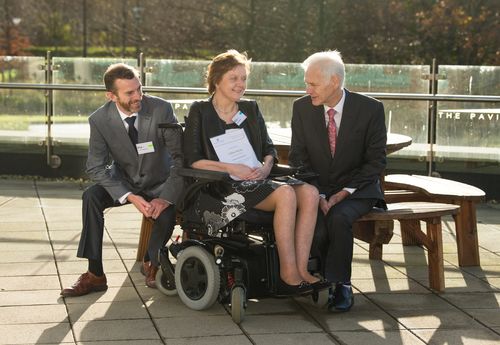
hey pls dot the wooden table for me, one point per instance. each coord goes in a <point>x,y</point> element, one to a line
<point>396,142</point>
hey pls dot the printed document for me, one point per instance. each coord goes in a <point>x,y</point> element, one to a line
<point>234,147</point>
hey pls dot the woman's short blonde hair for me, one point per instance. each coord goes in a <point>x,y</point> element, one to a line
<point>223,63</point>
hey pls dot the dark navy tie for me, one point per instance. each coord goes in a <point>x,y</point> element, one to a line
<point>132,131</point>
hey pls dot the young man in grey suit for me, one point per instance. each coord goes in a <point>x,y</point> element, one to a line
<point>340,136</point>
<point>129,160</point>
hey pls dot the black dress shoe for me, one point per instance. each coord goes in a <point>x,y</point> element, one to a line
<point>285,290</point>
<point>342,299</point>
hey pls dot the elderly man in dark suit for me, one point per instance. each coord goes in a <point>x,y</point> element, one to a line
<point>129,159</point>
<point>341,136</point>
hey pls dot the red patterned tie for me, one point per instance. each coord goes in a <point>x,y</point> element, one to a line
<point>332,130</point>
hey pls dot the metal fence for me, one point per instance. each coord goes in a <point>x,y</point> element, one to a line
<point>426,148</point>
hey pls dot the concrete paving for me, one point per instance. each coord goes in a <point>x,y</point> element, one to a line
<point>39,231</point>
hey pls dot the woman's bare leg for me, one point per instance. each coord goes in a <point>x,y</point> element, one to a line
<point>282,201</point>
<point>307,208</point>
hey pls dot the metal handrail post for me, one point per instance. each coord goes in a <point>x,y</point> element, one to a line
<point>432,117</point>
<point>53,160</point>
<point>141,63</point>
<point>49,106</point>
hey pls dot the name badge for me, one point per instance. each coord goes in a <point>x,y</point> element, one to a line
<point>239,118</point>
<point>146,147</point>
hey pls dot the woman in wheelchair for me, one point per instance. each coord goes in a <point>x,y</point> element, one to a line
<point>294,203</point>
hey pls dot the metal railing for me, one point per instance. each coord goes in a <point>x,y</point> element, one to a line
<point>432,98</point>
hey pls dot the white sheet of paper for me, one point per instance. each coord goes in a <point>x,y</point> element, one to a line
<point>234,147</point>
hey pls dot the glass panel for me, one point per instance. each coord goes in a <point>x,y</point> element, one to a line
<point>469,80</point>
<point>403,117</point>
<point>22,112</point>
<point>468,133</point>
<point>175,73</point>
<point>468,137</point>
<point>72,108</point>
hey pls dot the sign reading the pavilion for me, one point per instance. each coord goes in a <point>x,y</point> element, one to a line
<point>470,114</point>
<point>469,127</point>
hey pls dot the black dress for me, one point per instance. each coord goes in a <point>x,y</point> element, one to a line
<point>219,203</point>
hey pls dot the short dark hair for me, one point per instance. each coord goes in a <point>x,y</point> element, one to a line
<point>223,63</point>
<point>118,71</point>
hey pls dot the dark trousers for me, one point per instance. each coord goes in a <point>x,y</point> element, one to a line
<point>95,200</point>
<point>333,237</point>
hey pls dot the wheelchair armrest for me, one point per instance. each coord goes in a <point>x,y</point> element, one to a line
<point>282,170</point>
<point>171,125</point>
<point>297,172</point>
<point>202,174</point>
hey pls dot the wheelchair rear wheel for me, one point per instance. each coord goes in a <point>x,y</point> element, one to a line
<point>197,278</point>
<point>238,304</point>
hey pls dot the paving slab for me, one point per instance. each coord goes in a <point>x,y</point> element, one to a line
<point>212,340</point>
<point>39,333</point>
<point>459,336</point>
<point>280,323</point>
<point>293,338</point>
<point>32,297</point>
<point>54,313</point>
<point>99,330</point>
<point>20,283</point>
<point>401,337</point>
<point>200,326</point>
<point>116,310</point>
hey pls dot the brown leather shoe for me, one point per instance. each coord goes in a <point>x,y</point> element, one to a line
<point>151,277</point>
<point>145,267</point>
<point>85,284</point>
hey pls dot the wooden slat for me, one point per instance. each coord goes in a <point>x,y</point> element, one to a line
<point>434,186</point>
<point>412,210</point>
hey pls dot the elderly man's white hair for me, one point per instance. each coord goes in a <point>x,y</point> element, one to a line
<point>330,62</point>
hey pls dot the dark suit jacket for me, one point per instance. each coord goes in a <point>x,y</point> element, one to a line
<point>360,155</point>
<point>114,163</point>
<point>203,123</point>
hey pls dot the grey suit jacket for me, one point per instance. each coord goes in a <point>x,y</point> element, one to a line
<point>360,155</point>
<point>114,163</point>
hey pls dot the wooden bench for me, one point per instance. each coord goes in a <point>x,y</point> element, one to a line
<point>401,187</point>
<point>376,228</point>
<point>144,236</point>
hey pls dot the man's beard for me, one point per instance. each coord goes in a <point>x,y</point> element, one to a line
<point>132,107</point>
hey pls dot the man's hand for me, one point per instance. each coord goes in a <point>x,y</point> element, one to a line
<point>333,200</point>
<point>323,205</point>
<point>158,206</point>
<point>142,205</point>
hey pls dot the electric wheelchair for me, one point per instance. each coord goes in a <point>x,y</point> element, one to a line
<point>229,265</point>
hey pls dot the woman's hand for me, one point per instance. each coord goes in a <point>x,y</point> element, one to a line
<point>260,173</point>
<point>241,171</point>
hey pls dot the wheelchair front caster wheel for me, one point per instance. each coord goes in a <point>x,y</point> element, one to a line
<point>164,285</point>
<point>320,298</point>
<point>238,304</point>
